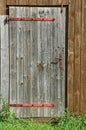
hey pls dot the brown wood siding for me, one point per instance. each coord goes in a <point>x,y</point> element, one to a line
<point>76,78</point>
<point>77,46</point>
<point>2,7</point>
<point>36,2</point>
<point>70,73</point>
<point>83,59</point>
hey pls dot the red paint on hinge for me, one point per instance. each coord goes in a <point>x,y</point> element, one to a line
<point>31,105</point>
<point>28,19</point>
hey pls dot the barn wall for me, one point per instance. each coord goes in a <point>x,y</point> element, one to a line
<point>76,72</point>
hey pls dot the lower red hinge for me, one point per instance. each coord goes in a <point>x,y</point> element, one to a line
<point>31,105</point>
<point>28,19</point>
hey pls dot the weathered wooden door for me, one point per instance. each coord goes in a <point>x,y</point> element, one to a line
<point>37,61</point>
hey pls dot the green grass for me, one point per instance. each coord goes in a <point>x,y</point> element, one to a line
<point>68,122</point>
<point>71,122</point>
<point>24,126</point>
<point>8,121</point>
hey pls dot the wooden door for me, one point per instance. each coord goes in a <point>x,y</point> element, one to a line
<point>37,61</point>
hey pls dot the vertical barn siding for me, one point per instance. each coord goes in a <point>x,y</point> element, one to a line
<point>77,65</point>
<point>74,54</point>
<point>83,59</point>
<point>4,44</point>
<point>76,47</point>
<point>2,7</point>
<point>13,77</point>
<point>70,73</point>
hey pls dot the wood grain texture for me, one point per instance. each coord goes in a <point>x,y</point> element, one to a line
<point>3,7</point>
<point>77,81</point>
<point>73,49</point>
<point>59,2</point>
<point>70,73</point>
<point>37,2</point>
<point>83,82</point>
<point>32,2</point>
<point>20,60</point>
<point>33,75</point>
<point>4,43</point>
<point>83,48</point>
<point>13,66</point>
<point>83,59</point>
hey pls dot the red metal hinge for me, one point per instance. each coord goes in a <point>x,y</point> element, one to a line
<point>31,105</point>
<point>28,19</point>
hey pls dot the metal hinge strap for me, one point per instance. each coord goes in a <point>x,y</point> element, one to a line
<point>28,19</point>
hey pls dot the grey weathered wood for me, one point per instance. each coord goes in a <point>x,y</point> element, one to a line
<point>13,65</point>
<point>55,67</point>
<point>29,33</point>
<point>63,55</point>
<point>20,59</point>
<point>4,59</point>
<point>62,52</point>
<point>48,55</point>
<point>51,65</point>
<point>38,43</point>
<point>39,38</point>
<point>26,57</point>
<point>34,59</point>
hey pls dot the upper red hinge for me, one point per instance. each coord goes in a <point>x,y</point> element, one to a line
<point>28,19</point>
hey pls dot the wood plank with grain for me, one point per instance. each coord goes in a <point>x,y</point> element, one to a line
<point>39,83</point>
<point>77,78</point>
<point>4,59</point>
<point>70,62</point>
<point>83,50</point>
<point>83,82</point>
<point>20,59</point>
<point>13,66</point>
<point>3,7</point>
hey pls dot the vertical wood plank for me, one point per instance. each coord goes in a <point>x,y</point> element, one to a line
<point>25,61</point>
<point>48,55</point>
<point>51,65</point>
<point>28,37</point>
<point>70,73</point>
<point>45,59</point>
<point>83,58</point>
<point>3,7</point>
<point>34,60</point>
<point>40,85</point>
<point>4,43</point>
<point>77,80</point>
<point>26,57</point>
<point>13,67</point>
<point>83,47</point>
<point>83,82</point>
<point>20,60</point>
<point>62,53</point>
<point>56,70</point>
